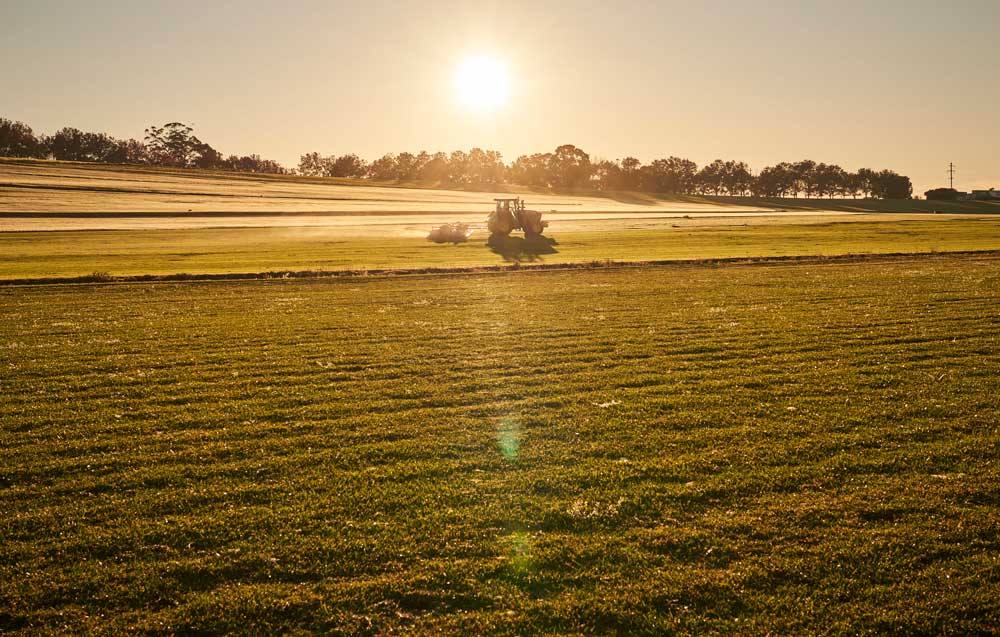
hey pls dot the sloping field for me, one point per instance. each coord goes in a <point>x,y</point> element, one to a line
<point>31,186</point>
<point>62,219</point>
<point>36,186</point>
<point>683,450</point>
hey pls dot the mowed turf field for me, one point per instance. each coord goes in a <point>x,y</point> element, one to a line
<point>32,255</point>
<point>780,449</point>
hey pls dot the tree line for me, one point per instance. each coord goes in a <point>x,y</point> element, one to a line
<point>567,167</point>
<point>173,144</point>
<point>459,167</point>
<point>570,167</point>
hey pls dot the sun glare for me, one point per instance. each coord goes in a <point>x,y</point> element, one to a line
<point>481,83</point>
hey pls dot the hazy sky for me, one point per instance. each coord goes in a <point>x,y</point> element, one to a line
<point>902,84</point>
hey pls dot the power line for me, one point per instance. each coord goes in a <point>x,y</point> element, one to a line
<point>951,175</point>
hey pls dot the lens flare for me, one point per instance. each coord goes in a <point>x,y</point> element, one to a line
<point>482,84</point>
<point>519,558</point>
<point>509,438</point>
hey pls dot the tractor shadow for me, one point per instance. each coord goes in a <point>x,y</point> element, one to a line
<point>522,249</point>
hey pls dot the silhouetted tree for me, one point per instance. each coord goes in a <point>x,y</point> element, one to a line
<point>349,165</point>
<point>736,178</point>
<point>483,166</point>
<point>18,140</point>
<point>631,174</point>
<point>174,144</point>
<point>311,165</point>
<point>851,186</point>
<point>496,171</point>
<point>659,176</point>
<point>207,157</point>
<point>406,166</point>
<point>710,179</point>
<point>458,165</point>
<point>128,151</point>
<point>607,175</point>
<point>71,144</point>
<point>66,144</point>
<point>436,168</point>
<point>867,178</point>
<point>570,167</point>
<point>776,181</point>
<point>383,168</point>
<point>250,164</point>
<point>828,179</point>
<point>420,162</point>
<point>532,170</point>
<point>887,184</point>
<point>805,177</point>
<point>682,173</point>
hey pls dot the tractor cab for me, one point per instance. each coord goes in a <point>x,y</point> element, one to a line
<point>510,214</point>
<point>509,206</point>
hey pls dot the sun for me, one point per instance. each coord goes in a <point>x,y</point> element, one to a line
<point>481,83</point>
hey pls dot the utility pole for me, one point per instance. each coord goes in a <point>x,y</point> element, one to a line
<point>951,175</point>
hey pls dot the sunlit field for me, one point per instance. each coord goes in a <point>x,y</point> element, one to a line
<point>732,450</point>
<point>31,186</point>
<point>477,318</point>
<point>784,447</point>
<point>65,219</point>
<point>33,255</point>
<point>45,186</point>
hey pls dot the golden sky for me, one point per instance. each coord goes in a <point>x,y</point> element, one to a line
<point>902,84</point>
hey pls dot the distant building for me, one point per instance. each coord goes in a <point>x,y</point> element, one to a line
<point>980,195</point>
<point>945,194</point>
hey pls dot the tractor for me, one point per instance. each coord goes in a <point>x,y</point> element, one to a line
<point>511,215</point>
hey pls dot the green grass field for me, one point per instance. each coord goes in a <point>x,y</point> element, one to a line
<point>780,449</point>
<point>28,255</point>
